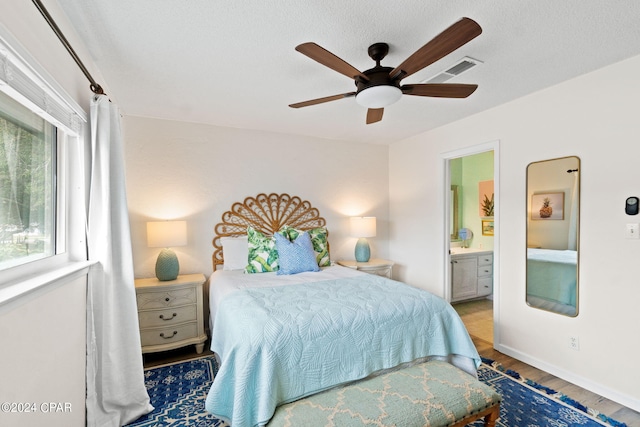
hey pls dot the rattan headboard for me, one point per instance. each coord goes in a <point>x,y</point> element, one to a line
<point>265,213</point>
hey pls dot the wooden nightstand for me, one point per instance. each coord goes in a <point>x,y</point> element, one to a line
<point>170,313</point>
<point>381,267</point>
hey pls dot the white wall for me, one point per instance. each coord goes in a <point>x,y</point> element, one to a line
<point>594,117</point>
<point>42,336</point>
<point>43,356</point>
<point>195,172</point>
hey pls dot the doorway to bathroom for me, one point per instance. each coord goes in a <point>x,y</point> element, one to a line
<point>471,241</point>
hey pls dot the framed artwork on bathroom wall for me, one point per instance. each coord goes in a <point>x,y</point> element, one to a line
<point>485,198</point>
<point>487,227</point>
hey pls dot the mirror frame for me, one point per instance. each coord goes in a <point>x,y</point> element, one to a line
<point>455,215</point>
<point>529,193</point>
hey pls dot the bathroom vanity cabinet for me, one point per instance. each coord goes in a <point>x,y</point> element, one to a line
<point>471,274</point>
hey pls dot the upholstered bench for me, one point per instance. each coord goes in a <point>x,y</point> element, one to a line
<point>428,394</point>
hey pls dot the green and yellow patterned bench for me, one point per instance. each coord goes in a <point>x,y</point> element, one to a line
<point>428,394</point>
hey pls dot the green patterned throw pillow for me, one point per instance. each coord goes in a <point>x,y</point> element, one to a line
<point>318,239</point>
<point>263,256</point>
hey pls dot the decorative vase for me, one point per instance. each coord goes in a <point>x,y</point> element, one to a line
<point>363,252</point>
<point>167,266</point>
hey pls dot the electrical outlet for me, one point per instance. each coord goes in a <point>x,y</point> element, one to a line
<point>574,343</point>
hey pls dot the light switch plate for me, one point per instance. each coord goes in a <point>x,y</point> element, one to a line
<point>632,231</point>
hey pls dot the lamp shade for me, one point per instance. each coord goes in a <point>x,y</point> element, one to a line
<point>166,234</point>
<point>363,226</point>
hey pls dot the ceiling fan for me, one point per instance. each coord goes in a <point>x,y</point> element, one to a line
<point>380,86</point>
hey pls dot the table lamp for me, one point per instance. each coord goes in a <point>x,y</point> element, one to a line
<point>166,234</point>
<point>363,227</point>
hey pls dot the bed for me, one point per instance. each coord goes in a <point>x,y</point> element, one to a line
<point>552,279</point>
<point>282,337</point>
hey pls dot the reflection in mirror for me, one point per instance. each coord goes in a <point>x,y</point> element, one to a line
<point>453,211</point>
<point>553,200</point>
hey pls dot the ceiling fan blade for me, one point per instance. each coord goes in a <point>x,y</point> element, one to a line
<point>322,100</point>
<point>374,115</point>
<point>441,45</point>
<point>439,90</point>
<point>328,59</point>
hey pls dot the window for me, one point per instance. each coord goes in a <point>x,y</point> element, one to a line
<point>27,190</point>
<point>42,192</point>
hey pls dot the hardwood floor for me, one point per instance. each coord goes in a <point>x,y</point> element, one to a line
<point>478,318</point>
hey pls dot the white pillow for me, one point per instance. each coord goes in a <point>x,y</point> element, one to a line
<point>235,251</point>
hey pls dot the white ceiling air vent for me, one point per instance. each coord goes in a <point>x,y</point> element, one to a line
<point>462,66</point>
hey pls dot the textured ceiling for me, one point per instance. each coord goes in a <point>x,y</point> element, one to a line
<point>233,63</point>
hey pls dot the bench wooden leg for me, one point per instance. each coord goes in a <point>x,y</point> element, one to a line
<point>491,418</point>
<point>490,415</point>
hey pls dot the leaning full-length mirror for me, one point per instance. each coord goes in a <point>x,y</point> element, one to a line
<point>553,220</point>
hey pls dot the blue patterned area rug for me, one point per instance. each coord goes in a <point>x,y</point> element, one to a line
<point>527,403</point>
<point>178,393</point>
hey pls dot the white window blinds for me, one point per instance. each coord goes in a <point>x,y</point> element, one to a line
<point>24,80</point>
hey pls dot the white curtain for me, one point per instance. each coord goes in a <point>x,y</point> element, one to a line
<point>573,218</point>
<point>116,394</point>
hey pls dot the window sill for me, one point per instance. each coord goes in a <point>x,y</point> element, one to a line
<point>12,292</point>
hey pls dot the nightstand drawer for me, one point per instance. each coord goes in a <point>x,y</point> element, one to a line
<point>380,267</point>
<point>149,300</point>
<point>170,316</point>
<point>159,336</point>
<point>380,271</point>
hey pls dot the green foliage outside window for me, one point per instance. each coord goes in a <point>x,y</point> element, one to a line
<point>27,165</point>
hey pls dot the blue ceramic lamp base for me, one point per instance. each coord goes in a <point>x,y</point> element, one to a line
<point>167,266</point>
<point>363,252</point>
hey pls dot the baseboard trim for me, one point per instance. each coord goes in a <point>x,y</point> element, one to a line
<point>571,377</point>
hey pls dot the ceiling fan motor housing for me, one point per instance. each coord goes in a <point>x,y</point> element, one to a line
<point>377,76</point>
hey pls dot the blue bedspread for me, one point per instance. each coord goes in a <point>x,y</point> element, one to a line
<point>552,275</point>
<point>279,344</point>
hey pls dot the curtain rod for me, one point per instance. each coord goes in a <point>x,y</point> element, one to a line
<point>95,87</point>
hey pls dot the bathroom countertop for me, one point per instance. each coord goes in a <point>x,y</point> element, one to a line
<point>460,251</point>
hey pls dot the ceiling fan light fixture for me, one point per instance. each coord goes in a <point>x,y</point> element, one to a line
<point>378,96</point>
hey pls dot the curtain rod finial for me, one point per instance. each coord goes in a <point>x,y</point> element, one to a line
<point>96,88</point>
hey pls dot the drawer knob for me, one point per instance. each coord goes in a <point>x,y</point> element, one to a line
<point>167,299</point>
<point>168,338</point>
<point>168,318</point>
